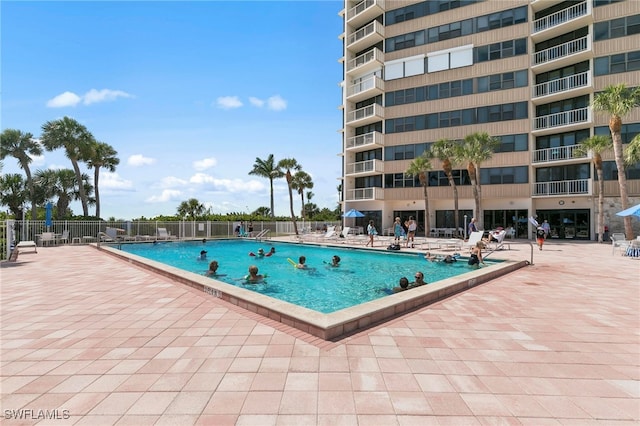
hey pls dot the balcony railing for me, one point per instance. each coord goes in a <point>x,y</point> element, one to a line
<point>562,84</point>
<point>372,138</point>
<point>562,187</point>
<point>366,112</point>
<point>564,118</point>
<point>557,154</point>
<point>374,27</point>
<point>367,166</point>
<point>558,18</point>
<point>365,194</point>
<point>561,51</point>
<point>364,85</point>
<point>373,55</point>
<point>362,6</point>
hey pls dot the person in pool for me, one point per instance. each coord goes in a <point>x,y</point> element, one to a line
<point>203,255</point>
<point>254,277</point>
<point>476,255</point>
<point>213,270</point>
<point>335,261</point>
<point>302,263</point>
<point>419,280</point>
<point>271,252</point>
<point>449,259</point>
<point>430,257</point>
<point>403,284</point>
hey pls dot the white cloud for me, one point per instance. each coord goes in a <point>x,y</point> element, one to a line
<point>276,103</point>
<point>140,160</point>
<point>110,180</point>
<point>70,99</point>
<point>204,164</point>
<point>228,102</point>
<point>228,185</point>
<point>105,95</point>
<point>172,182</point>
<point>256,102</point>
<point>167,195</point>
<point>65,99</point>
<point>37,161</point>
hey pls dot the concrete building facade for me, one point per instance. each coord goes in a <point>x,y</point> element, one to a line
<point>524,71</point>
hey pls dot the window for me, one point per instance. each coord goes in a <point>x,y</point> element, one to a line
<point>424,8</point>
<point>504,175</point>
<point>500,50</point>
<point>619,27</point>
<point>513,143</point>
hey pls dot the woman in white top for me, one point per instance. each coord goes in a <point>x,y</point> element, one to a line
<point>411,230</point>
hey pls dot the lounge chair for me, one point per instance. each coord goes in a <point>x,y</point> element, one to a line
<point>64,237</point>
<point>104,238</point>
<point>163,234</point>
<point>27,245</point>
<point>47,238</point>
<point>474,237</point>
<point>497,240</point>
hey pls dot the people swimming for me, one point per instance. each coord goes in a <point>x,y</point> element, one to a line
<point>213,270</point>
<point>203,255</point>
<point>302,263</point>
<point>476,255</point>
<point>254,277</point>
<point>449,259</point>
<point>403,285</point>
<point>430,257</point>
<point>261,252</point>
<point>419,280</point>
<point>335,261</point>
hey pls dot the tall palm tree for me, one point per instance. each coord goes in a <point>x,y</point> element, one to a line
<point>76,140</point>
<point>445,151</point>
<point>419,167</point>
<point>191,208</point>
<point>102,155</point>
<point>597,145</point>
<point>267,169</point>
<point>475,149</point>
<point>61,184</point>
<point>13,193</point>
<point>20,145</point>
<point>632,153</point>
<point>288,164</point>
<point>617,101</point>
<point>301,181</point>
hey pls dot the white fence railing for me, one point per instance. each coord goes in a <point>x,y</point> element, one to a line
<point>560,17</point>
<point>561,51</point>
<point>562,84</point>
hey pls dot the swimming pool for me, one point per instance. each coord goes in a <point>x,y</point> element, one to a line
<point>326,326</point>
<point>363,275</point>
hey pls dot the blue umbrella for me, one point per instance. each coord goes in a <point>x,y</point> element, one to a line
<point>47,217</point>
<point>353,213</point>
<point>631,211</point>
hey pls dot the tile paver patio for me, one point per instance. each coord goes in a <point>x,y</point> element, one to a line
<point>557,343</point>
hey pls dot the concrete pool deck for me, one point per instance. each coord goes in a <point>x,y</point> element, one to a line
<point>111,343</point>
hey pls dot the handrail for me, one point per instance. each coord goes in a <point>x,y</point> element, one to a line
<point>562,84</point>
<point>560,17</point>
<point>561,50</point>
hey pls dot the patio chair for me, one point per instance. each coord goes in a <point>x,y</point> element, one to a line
<point>496,240</point>
<point>474,237</point>
<point>48,238</point>
<point>163,234</point>
<point>26,245</point>
<point>64,237</point>
<point>618,240</point>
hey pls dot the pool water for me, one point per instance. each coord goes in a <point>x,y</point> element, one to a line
<point>363,275</point>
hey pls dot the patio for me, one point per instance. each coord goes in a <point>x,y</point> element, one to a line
<point>110,343</point>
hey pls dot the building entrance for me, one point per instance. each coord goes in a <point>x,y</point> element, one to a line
<point>567,224</point>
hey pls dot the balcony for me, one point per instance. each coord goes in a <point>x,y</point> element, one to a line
<point>371,140</point>
<point>366,36</point>
<point>365,168</point>
<point>364,11</point>
<point>366,62</point>
<point>560,153</point>
<point>367,115</point>
<point>565,120</point>
<point>364,194</point>
<point>365,89</point>
<point>562,188</point>
<point>569,19</point>
<point>562,55</point>
<point>573,85</point>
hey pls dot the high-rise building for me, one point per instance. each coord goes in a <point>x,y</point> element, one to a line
<point>525,72</point>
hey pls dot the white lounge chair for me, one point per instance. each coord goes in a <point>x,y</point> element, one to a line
<point>163,234</point>
<point>618,240</point>
<point>497,240</point>
<point>474,237</point>
<point>64,237</point>
<point>27,245</point>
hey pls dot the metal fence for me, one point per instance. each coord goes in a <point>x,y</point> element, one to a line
<point>78,231</point>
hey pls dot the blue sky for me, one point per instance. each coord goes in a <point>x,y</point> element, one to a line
<point>188,93</point>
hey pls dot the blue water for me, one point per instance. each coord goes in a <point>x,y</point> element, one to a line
<point>363,275</point>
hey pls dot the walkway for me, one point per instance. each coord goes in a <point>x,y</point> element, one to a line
<point>91,338</point>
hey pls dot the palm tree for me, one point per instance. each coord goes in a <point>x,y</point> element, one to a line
<point>13,193</point>
<point>61,183</point>
<point>76,140</point>
<point>475,149</point>
<point>617,101</point>
<point>596,145</point>
<point>21,146</point>
<point>191,208</point>
<point>445,150</point>
<point>632,153</point>
<point>419,167</point>
<point>102,156</point>
<point>301,181</point>
<point>289,164</point>
<point>267,169</point>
